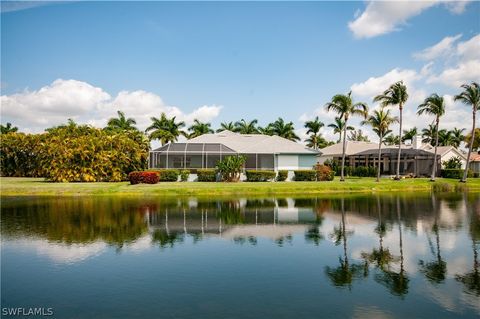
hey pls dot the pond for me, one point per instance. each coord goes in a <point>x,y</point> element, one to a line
<point>376,256</point>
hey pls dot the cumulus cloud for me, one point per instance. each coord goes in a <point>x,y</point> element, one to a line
<point>55,103</point>
<point>462,73</point>
<point>442,48</point>
<point>382,17</point>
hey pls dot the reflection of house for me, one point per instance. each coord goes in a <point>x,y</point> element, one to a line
<point>263,152</point>
<point>416,158</point>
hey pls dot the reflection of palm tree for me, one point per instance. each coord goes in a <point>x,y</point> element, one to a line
<point>343,275</point>
<point>396,282</point>
<point>435,271</point>
<point>314,235</point>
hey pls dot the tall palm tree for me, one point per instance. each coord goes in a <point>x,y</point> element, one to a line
<point>198,128</point>
<point>470,96</point>
<point>357,135</point>
<point>344,106</point>
<point>121,123</point>
<point>318,143</point>
<point>8,128</point>
<point>285,130</point>
<point>380,122</point>
<point>244,127</point>
<point>433,105</point>
<point>457,137</point>
<point>164,129</point>
<point>445,138</point>
<point>392,139</point>
<point>226,126</point>
<point>409,134</point>
<point>313,128</point>
<point>338,127</point>
<point>266,130</point>
<point>428,134</point>
<point>396,94</point>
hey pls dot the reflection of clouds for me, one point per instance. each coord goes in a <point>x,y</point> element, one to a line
<point>451,297</point>
<point>370,312</point>
<point>470,300</point>
<point>141,244</point>
<point>59,252</point>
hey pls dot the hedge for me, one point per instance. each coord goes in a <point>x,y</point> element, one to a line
<point>206,175</point>
<point>305,175</point>
<point>184,175</point>
<point>324,173</point>
<point>259,176</point>
<point>282,176</point>
<point>455,173</point>
<point>143,177</point>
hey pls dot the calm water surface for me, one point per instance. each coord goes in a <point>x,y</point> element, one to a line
<point>352,257</point>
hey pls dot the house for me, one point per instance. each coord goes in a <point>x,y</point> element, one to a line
<point>475,162</point>
<point>263,152</point>
<point>416,157</point>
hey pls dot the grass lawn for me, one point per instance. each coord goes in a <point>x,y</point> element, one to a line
<point>20,186</point>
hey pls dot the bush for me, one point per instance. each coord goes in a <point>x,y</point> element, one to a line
<point>453,163</point>
<point>259,176</point>
<point>143,177</point>
<point>184,174</point>
<point>168,175</point>
<point>305,175</point>
<point>231,167</point>
<point>324,173</point>
<point>206,175</point>
<point>452,173</point>
<point>282,176</point>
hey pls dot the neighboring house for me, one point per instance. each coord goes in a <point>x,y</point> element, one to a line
<point>416,158</point>
<point>263,152</point>
<point>475,162</point>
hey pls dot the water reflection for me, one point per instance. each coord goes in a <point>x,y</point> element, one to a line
<point>396,243</point>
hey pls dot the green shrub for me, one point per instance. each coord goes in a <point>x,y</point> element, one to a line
<point>206,175</point>
<point>453,163</point>
<point>168,175</point>
<point>324,173</point>
<point>452,173</point>
<point>259,176</point>
<point>282,176</point>
<point>231,167</point>
<point>305,175</point>
<point>184,174</point>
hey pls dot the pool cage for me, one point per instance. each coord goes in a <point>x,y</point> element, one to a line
<point>203,155</point>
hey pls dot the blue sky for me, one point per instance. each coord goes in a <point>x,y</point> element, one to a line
<point>223,61</point>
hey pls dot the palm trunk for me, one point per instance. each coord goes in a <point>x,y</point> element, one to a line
<point>344,233</point>
<point>342,176</point>
<point>399,143</point>
<point>379,157</point>
<point>434,169</point>
<point>464,179</point>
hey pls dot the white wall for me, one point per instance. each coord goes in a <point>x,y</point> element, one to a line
<point>451,154</point>
<point>287,162</point>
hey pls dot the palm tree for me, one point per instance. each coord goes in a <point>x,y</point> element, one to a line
<point>285,130</point>
<point>357,135</point>
<point>8,128</point>
<point>339,126</point>
<point>164,129</point>
<point>244,127</point>
<point>320,141</point>
<point>470,96</point>
<point>433,105</point>
<point>226,126</point>
<point>380,122</point>
<point>121,123</point>
<point>396,94</point>
<point>267,130</point>
<point>445,138</point>
<point>392,139</point>
<point>409,134</point>
<point>313,128</point>
<point>198,128</point>
<point>344,106</point>
<point>428,134</point>
<point>457,137</point>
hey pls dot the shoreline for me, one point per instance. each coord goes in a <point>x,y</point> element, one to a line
<point>22,186</point>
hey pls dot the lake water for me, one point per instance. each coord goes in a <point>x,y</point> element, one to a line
<point>413,256</point>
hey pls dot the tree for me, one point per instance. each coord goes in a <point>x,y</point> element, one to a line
<point>8,128</point>
<point>344,106</point>
<point>121,124</point>
<point>396,94</point>
<point>226,126</point>
<point>320,141</point>
<point>476,141</point>
<point>445,138</point>
<point>392,139</point>
<point>285,130</point>
<point>244,127</point>
<point>338,127</point>
<point>433,105</point>
<point>164,129</point>
<point>409,134</point>
<point>198,128</point>
<point>470,96</point>
<point>313,128</point>
<point>428,134</point>
<point>380,122</point>
<point>357,135</point>
<point>267,130</point>
<point>457,137</point>
<point>231,167</point>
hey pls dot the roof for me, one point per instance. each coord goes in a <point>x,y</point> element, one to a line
<point>247,143</point>
<point>394,151</point>
<point>475,157</point>
<point>352,147</point>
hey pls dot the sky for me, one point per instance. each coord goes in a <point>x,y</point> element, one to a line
<point>224,61</point>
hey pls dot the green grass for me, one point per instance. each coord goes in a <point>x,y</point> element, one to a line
<point>11,186</point>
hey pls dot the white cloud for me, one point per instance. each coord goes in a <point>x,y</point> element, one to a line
<point>382,17</point>
<point>470,49</point>
<point>442,48</point>
<point>462,73</point>
<point>55,103</point>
